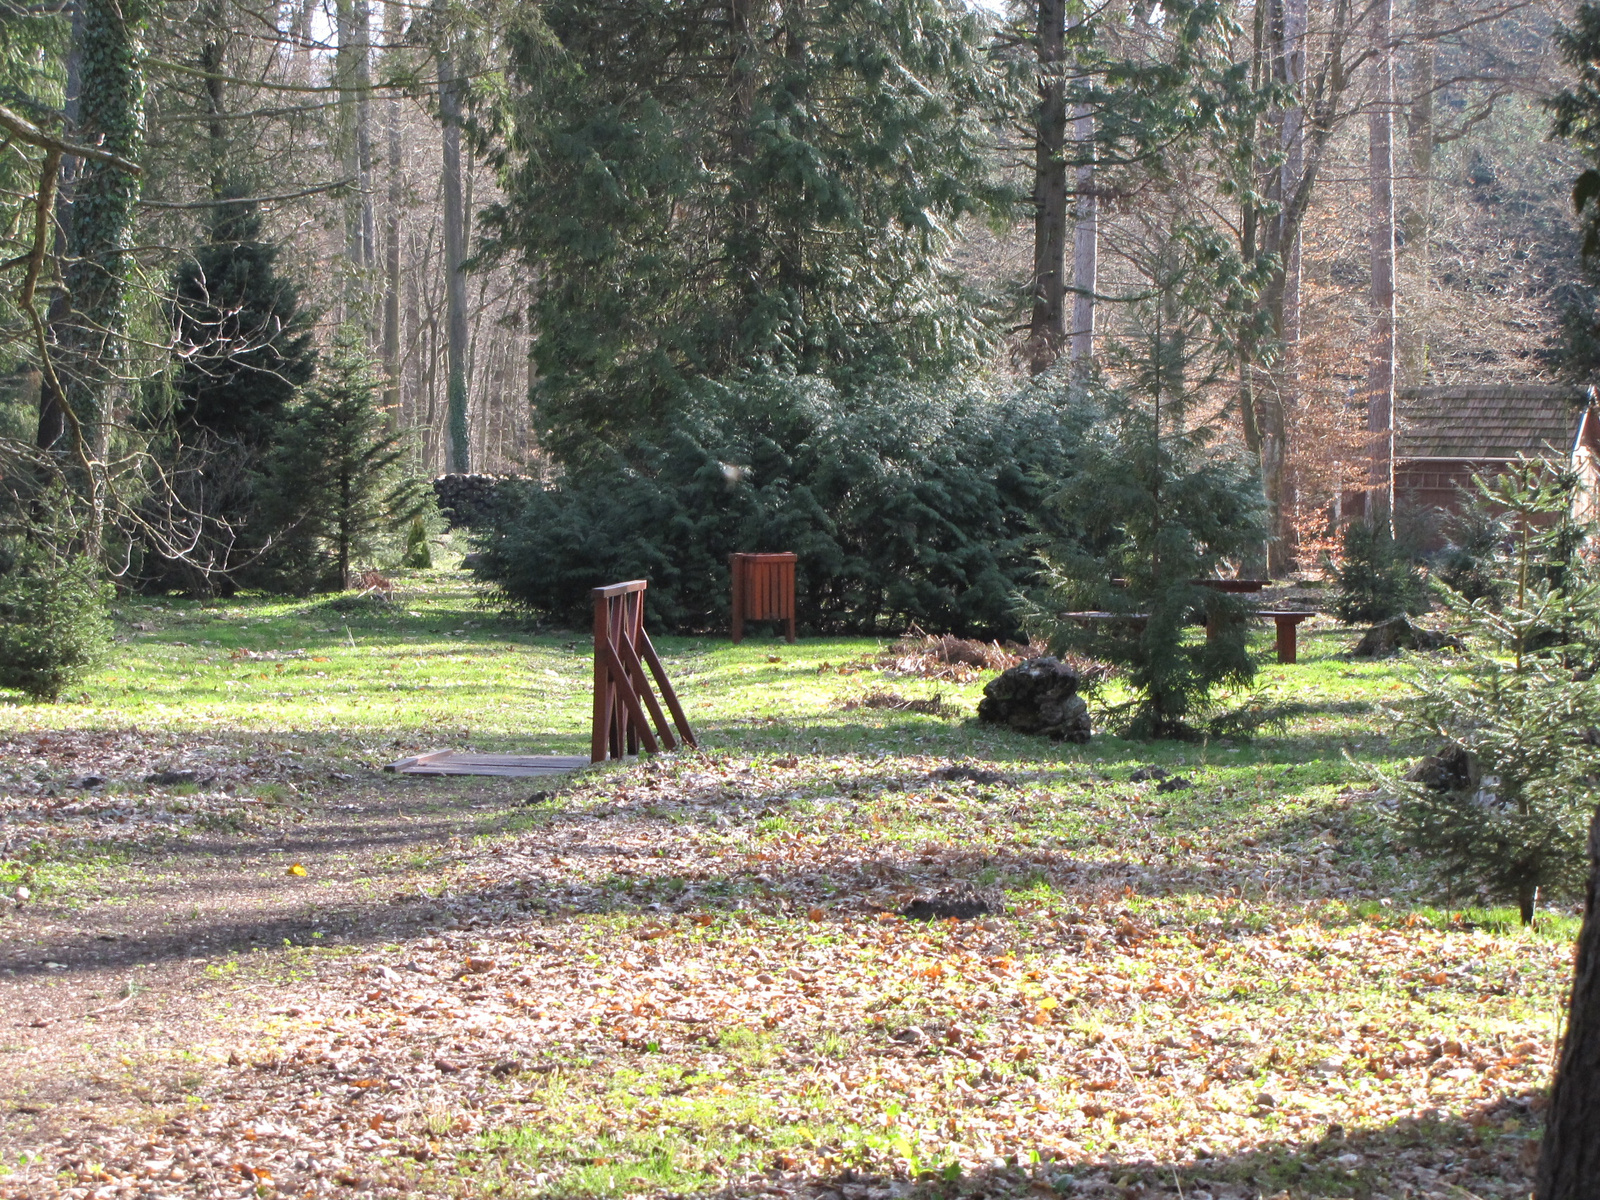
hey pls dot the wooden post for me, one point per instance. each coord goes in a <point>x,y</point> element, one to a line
<point>1286,640</point>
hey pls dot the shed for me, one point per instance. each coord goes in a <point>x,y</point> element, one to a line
<point>1445,435</point>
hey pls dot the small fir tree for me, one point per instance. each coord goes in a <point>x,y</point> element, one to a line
<point>1144,518</point>
<point>1376,580</point>
<point>334,488</point>
<point>1153,504</point>
<point>1504,804</point>
<point>53,624</point>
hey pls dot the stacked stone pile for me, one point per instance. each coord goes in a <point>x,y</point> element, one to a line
<point>1039,695</point>
<point>467,500</point>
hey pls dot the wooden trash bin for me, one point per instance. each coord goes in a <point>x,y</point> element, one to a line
<point>763,590</point>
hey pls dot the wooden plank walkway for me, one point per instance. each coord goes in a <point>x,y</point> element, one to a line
<point>451,762</point>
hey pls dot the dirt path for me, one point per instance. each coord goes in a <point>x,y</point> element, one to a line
<point>112,980</point>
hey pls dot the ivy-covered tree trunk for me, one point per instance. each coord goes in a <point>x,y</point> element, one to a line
<point>1569,1160</point>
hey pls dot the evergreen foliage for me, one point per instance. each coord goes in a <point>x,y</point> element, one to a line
<point>903,505</point>
<point>710,190</point>
<point>1144,516</point>
<point>53,624</point>
<point>1377,580</point>
<point>1575,351</point>
<point>1504,806</point>
<point>1466,564</point>
<point>334,490</point>
<point>1154,501</point>
<point>243,341</point>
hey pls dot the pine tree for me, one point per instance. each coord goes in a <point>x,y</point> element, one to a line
<point>1503,804</point>
<point>334,488</point>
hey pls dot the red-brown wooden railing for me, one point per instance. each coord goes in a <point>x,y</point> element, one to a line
<point>622,692</point>
<point>763,590</point>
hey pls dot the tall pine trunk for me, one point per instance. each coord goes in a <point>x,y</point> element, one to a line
<point>52,397</point>
<point>1569,1159</point>
<point>1085,244</point>
<point>1047,324</point>
<point>1380,342</point>
<point>458,452</point>
<point>392,33</point>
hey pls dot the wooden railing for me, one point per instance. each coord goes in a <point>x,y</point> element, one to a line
<point>622,692</point>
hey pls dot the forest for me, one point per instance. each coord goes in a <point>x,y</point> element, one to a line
<point>564,238</point>
<point>1161,759</point>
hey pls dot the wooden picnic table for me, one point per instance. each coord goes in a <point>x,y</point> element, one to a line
<point>1217,585</point>
<point>1287,622</point>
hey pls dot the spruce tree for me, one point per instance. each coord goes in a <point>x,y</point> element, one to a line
<point>1503,804</point>
<point>334,488</point>
<point>1153,504</point>
<point>243,339</point>
<point>1376,580</point>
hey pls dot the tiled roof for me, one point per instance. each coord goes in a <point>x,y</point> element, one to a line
<point>1486,422</point>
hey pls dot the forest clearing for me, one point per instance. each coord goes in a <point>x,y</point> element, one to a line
<point>1166,434</point>
<point>687,974</point>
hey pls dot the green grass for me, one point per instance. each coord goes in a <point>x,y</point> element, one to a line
<point>438,666</point>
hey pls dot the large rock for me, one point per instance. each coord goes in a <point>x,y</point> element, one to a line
<point>1400,633</point>
<point>1038,696</point>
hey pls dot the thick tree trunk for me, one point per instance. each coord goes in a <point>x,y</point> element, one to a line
<point>1380,342</point>
<point>363,83</point>
<point>1085,245</point>
<point>1569,1159</point>
<point>91,342</point>
<point>1047,324</point>
<point>458,454</point>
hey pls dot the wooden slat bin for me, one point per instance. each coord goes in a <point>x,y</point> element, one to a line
<point>763,590</point>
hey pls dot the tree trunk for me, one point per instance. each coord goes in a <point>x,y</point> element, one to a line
<point>1419,214</point>
<point>1085,245</point>
<point>1569,1159</point>
<point>392,32</point>
<point>1047,325</point>
<point>212,61</point>
<point>1380,342</point>
<point>458,456</point>
<point>353,75</point>
<point>91,343</point>
<point>363,82</point>
<point>52,400</point>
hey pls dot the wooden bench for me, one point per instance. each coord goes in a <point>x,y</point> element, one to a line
<point>1287,623</point>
